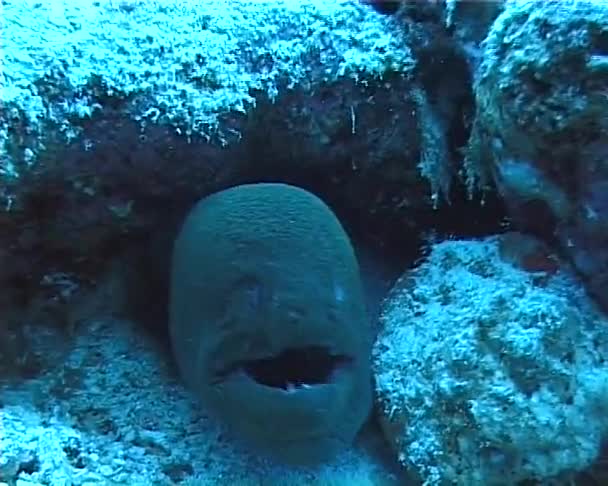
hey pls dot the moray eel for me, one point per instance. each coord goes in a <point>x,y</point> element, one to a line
<point>268,322</point>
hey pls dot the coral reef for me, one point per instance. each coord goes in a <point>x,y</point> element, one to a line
<point>190,97</point>
<point>117,116</point>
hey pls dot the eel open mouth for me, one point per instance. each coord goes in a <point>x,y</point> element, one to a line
<point>294,368</point>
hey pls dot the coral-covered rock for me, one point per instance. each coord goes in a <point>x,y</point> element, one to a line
<point>541,129</point>
<point>490,370</point>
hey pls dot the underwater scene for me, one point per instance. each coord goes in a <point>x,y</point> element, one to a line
<point>304,242</point>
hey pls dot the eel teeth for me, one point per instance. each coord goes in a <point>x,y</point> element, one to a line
<point>293,387</point>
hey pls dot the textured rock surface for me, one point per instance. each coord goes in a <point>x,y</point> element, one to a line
<point>175,61</point>
<point>268,320</point>
<point>541,129</point>
<point>491,366</point>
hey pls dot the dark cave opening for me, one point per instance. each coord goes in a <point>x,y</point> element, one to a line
<point>295,367</point>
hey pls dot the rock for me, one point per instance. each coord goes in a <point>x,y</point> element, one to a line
<point>541,131</point>
<point>488,373</point>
